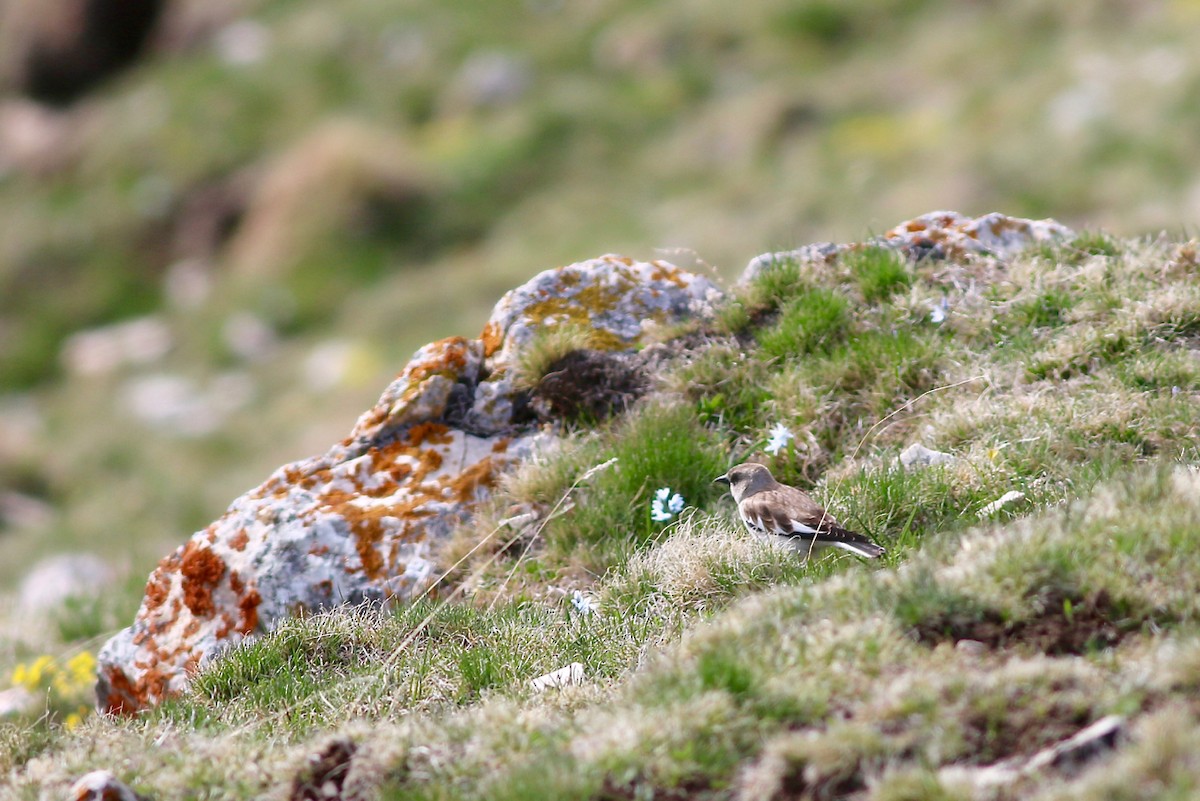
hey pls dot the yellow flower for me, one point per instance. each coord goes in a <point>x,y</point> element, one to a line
<point>73,720</point>
<point>41,668</point>
<point>18,675</point>
<point>34,676</point>
<point>82,667</point>
<point>61,685</point>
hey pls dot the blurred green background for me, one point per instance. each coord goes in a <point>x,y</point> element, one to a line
<point>212,260</point>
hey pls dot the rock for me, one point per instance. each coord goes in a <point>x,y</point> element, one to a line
<point>57,578</point>
<point>358,523</point>
<point>972,648</point>
<point>936,235</point>
<point>41,140</point>
<point>18,701</point>
<point>612,297</point>
<point>101,785</point>
<point>488,80</point>
<point>98,351</point>
<point>178,406</point>
<point>819,252</point>
<point>242,42</point>
<point>917,455</point>
<point>1066,756</point>
<point>950,235</point>
<point>1012,496</point>
<point>18,510</point>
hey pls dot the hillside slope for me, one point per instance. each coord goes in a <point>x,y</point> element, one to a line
<point>291,197</point>
<point>714,667</point>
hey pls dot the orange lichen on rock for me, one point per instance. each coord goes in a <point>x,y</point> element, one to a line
<point>492,338</point>
<point>372,524</point>
<point>429,434</point>
<point>201,569</point>
<point>238,541</point>
<point>248,604</point>
<point>368,532</point>
<point>122,696</point>
<point>668,272</point>
<point>157,588</point>
<point>449,358</point>
<point>464,487</point>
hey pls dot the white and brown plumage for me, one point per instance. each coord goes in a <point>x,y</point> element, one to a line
<point>778,513</point>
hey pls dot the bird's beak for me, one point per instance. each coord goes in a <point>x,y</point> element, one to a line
<point>721,480</point>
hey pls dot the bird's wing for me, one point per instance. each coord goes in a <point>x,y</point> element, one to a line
<point>788,512</point>
<point>791,511</point>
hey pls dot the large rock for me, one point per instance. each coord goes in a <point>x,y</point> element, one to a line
<point>358,523</point>
<point>936,235</point>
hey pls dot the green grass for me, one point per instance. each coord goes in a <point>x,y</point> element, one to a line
<point>748,652</point>
<point>661,446</point>
<point>715,668</point>
<point>879,272</point>
<point>628,122</point>
<point>812,323</point>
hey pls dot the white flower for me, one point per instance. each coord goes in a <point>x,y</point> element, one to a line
<point>665,505</point>
<point>780,436</point>
<point>938,314</point>
<point>584,604</point>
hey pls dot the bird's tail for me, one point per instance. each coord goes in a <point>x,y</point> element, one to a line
<point>853,542</point>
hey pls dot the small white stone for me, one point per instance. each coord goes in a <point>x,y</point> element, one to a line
<point>102,350</point>
<point>242,43</point>
<point>101,785</point>
<point>188,283</point>
<point>1011,496</point>
<point>248,337</point>
<point>917,455</point>
<point>17,701</point>
<point>563,677</point>
<point>57,578</point>
<point>970,647</point>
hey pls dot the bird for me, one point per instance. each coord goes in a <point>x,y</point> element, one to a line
<point>785,515</point>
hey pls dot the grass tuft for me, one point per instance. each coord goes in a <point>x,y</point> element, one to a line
<point>812,323</point>
<point>880,272</point>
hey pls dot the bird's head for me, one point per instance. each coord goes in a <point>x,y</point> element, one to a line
<point>746,479</point>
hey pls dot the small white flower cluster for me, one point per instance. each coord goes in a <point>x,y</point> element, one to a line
<point>665,505</point>
<point>780,435</point>
<point>583,603</point>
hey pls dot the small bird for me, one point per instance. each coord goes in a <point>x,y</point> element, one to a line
<point>778,513</point>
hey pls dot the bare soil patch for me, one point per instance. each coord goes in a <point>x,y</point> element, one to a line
<point>1067,626</point>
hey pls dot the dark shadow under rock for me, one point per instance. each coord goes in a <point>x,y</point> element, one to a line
<point>588,385</point>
